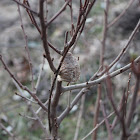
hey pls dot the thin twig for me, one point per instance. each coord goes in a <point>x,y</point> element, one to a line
<point>44,35</point>
<point>9,133</point>
<point>26,47</point>
<point>95,82</point>
<point>66,38</point>
<point>75,100</point>
<point>74,45</point>
<point>36,117</point>
<point>56,50</point>
<point>97,126</point>
<point>128,87</point>
<point>123,102</point>
<point>37,27</point>
<point>102,51</point>
<point>71,13</point>
<point>85,90</point>
<point>110,97</point>
<point>33,20</point>
<point>106,121</point>
<point>39,120</point>
<point>25,6</point>
<point>133,103</point>
<point>69,98</point>
<point>25,98</point>
<point>54,104</point>
<point>22,86</point>
<point>28,117</point>
<point>45,104</point>
<point>123,51</point>
<point>58,13</point>
<point>114,21</point>
<point>96,113</point>
<point>79,117</point>
<point>39,76</point>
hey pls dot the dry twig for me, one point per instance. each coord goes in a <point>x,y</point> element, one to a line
<point>106,121</point>
<point>96,113</point>
<point>120,15</point>
<point>79,117</point>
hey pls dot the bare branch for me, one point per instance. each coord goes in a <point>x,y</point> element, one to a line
<point>106,121</point>
<point>25,98</point>
<point>28,117</point>
<point>110,97</point>
<point>26,47</point>
<point>37,27</point>
<point>21,86</point>
<point>53,117</point>
<point>58,13</point>
<point>85,90</point>
<point>123,51</point>
<point>79,117</point>
<point>102,51</point>
<point>56,50</point>
<point>9,133</point>
<point>133,103</point>
<point>39,120</point>
<point>36,118</point>
<point>96,113</point>
<point>45,104</point>
<point>120,15</point>
<point>44,35</point>
<point>97,126</point>
<point>25,6</point>
<point>123,103</point>
<point>128,87</point>
<point>68,46</point>
<point>95,82</point>
<point>39,76</point>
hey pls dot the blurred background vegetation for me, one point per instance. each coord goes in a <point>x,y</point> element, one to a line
<point>12,47</point>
